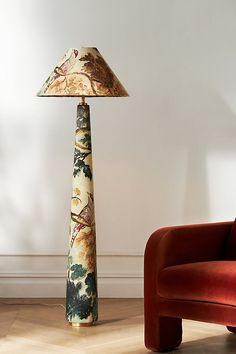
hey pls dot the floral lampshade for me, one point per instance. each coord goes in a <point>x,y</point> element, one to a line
<point>82,72</point>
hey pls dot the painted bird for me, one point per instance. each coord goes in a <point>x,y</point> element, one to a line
<point>63,69</point>
<point>67,65</point>
<point>84,218</point>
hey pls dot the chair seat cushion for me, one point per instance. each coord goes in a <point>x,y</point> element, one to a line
<point>203,281</point>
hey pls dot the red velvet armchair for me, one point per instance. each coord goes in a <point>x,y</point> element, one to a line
<point>189,272</point>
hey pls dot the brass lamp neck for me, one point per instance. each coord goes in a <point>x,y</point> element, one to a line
<point>82,102</point>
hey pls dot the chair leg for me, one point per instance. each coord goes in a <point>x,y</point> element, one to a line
<point>231,329</point>
<point>162,333</point>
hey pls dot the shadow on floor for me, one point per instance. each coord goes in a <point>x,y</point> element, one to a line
<point>222,344</point>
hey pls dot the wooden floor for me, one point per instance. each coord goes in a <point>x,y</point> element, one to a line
<point>42,329</point>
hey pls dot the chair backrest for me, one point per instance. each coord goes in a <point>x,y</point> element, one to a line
<point>230,246</point>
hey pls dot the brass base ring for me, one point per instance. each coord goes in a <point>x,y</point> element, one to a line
<point>81,324</point>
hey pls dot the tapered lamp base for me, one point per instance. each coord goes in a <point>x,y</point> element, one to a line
<point>81,300</point>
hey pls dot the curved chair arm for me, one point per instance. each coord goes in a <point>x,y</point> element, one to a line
<point>186,244</point>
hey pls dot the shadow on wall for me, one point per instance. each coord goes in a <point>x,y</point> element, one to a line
<point>193,121</point>
<point>34,169</point>
<point>212,128</point>
<point>19,204</point>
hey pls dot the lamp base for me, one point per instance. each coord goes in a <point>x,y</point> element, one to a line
<point>81,299</point>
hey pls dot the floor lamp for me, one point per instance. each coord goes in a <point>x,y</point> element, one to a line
<point>82,73</point>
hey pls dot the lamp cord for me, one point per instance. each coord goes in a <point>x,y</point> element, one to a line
<point>30,304</point>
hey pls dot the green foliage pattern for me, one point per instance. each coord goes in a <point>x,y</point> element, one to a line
<point>81,305</point>
<point>77,271</point>
<point>80,165</point>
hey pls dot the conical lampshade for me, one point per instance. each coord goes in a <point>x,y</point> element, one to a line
<point>82,72</point>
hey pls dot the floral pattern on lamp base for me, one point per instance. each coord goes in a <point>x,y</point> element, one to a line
<point>81,302</point>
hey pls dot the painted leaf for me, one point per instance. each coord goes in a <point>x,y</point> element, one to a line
<point>86,140</point>
<point>90,281</point>
<point>77,305</point>
<point>84,308</point>
<point>87,171</point>
<point>79,164</point>
<point>77,271</point>
<point>72,294</point>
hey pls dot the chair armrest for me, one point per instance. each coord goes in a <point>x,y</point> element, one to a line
<point>187,244</point>
<point>182,244</point>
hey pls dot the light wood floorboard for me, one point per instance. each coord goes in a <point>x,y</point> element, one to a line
<point>38,328</point>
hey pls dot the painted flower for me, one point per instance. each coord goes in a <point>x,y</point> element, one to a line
<point>86,249</point>
<point>76,85</point>
<point>57,87</point>
<point>77,191</point>
<point>72,84</point>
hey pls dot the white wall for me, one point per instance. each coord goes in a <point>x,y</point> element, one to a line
<point>164,156</point>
